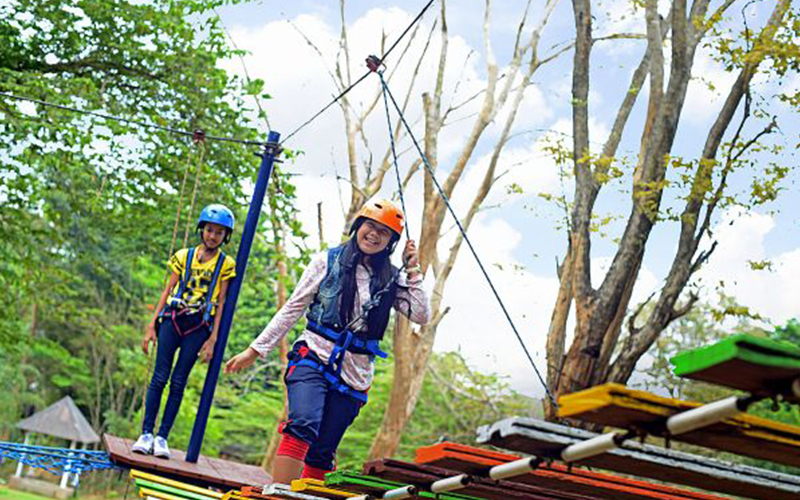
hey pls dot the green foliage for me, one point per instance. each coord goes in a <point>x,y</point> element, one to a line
<point>89,205</point>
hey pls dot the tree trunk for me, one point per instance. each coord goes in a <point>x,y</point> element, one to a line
<point>600,313</point>
<point>412,348</point>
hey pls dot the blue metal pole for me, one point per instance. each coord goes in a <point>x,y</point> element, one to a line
<point>271,150</point>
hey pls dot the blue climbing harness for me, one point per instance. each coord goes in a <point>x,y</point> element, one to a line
<point>181,313</point>
<point>354,343</point>
<point>332,371</point>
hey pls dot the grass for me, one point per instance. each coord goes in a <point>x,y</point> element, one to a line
<point>19,495</point>
<point>9,494</point>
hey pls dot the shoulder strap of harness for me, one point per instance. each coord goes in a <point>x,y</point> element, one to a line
<point>187,274</point>
<point>213,286</point>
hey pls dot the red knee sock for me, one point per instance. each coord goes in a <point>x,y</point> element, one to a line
<point>311,472</point>
<point>292,447</point>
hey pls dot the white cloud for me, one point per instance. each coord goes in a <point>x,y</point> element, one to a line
<point>741,238</point>
<point>477,327</point>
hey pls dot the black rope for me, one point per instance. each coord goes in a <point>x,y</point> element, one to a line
<point>469,243</point>
<point>120,119</point>
<point>363,77</point>
<point>394,154</point>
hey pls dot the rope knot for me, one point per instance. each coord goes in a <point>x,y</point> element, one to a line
<point>374,63</point>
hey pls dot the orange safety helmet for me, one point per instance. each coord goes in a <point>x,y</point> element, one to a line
<point>385,212</point>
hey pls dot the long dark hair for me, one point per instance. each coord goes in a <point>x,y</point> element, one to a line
<point>383,274</point>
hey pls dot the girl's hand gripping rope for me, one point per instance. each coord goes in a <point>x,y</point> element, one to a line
<point>411,258</point>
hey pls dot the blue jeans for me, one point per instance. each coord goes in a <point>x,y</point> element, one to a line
<point>168,343</point>
<point>318,414</point>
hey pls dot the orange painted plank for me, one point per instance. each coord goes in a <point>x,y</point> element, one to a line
<point>473,460</point>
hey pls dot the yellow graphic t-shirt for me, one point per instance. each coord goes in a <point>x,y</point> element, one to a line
<point>201,275</point>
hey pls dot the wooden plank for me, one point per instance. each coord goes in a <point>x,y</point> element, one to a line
<point>155,494</point>
<point>317,487</point>
<point>423,476</point>
<point>558,477</point>
<point>376,486</point>
<point>617,406</point>
<point>284,491</point>
<point>536,437</point>
<point>137,474</point>
<point>172,490</point>
<point>756,365</point>
<point>207,471</point>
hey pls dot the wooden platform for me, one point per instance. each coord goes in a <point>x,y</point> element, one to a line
<point>554,476</point>
<point>617,406</point>
<point>752,364</point>
<point>207,471</point>
<point>536,437</point>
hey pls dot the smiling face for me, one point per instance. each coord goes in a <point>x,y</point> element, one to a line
<point>213,235</point>
<point>373,237</point>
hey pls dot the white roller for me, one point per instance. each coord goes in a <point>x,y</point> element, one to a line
<point>703,416</point>
<point>590,448</point>
<point>399,493</point>
<point>515,468</point>
<point>451,483</point>
<point>362,497</point>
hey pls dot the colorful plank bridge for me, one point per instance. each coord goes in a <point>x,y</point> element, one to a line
<point>556,457</point>
<point>551,461</point>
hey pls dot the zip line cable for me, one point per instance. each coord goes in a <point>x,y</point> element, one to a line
<point>120,119</point>
<point>466,239</point>
<point>394,155</point>
<point>363,77</point>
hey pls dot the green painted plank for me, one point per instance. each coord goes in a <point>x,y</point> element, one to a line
<point>753,364</point>
<point>172,490</point>
<point>368,484</point>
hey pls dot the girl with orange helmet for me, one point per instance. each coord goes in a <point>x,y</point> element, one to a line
<point>348,293</point>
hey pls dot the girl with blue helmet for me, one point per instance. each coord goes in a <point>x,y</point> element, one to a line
<point>186,322</point>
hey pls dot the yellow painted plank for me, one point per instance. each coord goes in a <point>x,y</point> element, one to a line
<point>137,474</point>
<point>617,406</point>
<point>234,495</point>
<point>318,487</point>
<point>148,493</point>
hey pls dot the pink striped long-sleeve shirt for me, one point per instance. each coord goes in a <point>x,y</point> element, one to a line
<point>357,369</point>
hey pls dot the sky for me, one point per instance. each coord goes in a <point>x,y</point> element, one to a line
<point>520,237</point>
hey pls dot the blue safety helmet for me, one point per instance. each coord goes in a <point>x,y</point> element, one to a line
<point>217,214</point>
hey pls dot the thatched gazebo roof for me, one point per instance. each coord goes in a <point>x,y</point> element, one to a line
<point>62,419</point>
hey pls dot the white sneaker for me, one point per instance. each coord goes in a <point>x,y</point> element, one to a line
<point>160,448</point>
<point>144,444</point>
